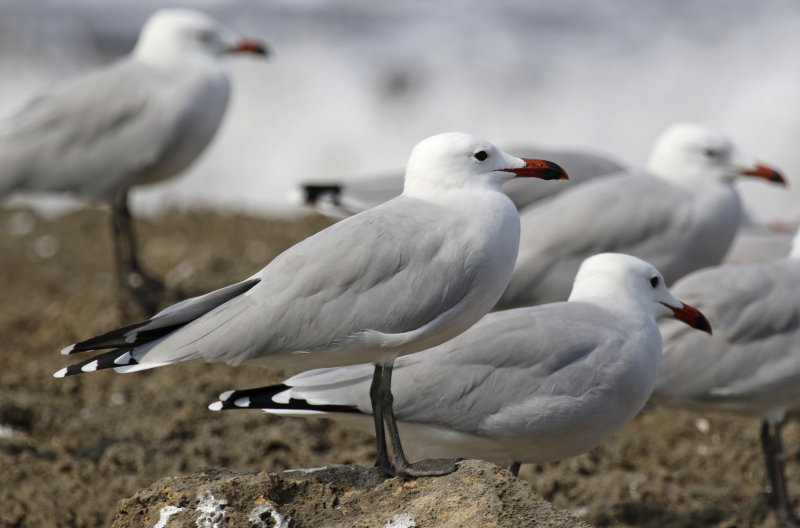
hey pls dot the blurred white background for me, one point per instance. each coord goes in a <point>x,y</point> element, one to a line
<point>353,85</point>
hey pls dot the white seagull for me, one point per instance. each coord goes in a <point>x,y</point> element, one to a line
<point>751,366</point>
<point>340,199</point>
<point>396,279</point>
<point>680,216</point>
<point>142,119</point>
<point>534,384</point>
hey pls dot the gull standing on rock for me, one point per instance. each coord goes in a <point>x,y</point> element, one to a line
<point>142,119</point>
<point>534,384</point>
<point>396,279</point>
<point>751,366</point>
<point>680,216</point>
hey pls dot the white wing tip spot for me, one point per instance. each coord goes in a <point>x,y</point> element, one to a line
<point>216,406</point>
<point>89,367</point>
<point>67,350</point>
<point>61,373</point>
<point>124,359</point>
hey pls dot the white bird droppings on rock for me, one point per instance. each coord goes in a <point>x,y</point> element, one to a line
<point>305,470</point>
<point>212,511</point>
<point>401,520</point>
<point>256,516</point>
<point>164,515</point>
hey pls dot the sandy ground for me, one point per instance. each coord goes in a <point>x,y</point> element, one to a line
<point>71,448</point>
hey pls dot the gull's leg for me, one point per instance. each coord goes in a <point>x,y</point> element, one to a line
<point>769,463</point>
<point>134,283</point>
<point>514,468</point>
<point>424,468</point>
<point>377,414</point>
<point>775,458</point>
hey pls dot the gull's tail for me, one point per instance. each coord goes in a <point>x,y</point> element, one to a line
<point>130,343</point>
<point>275,399</point>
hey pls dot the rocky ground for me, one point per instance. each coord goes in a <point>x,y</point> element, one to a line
<point>70,449</point>
<point>478,495</point>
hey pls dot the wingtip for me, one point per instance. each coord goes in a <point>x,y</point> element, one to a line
<point>67,350</point>
<point>61,373</point>
<point>216,406</point>
<point>226,395</point>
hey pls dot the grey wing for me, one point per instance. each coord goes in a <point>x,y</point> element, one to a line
<point>507,359</point>
<point>350,287</point>
<point>639,215</point>
<point>91,135</point>
<point>510,360</point>
<point>753,353</point>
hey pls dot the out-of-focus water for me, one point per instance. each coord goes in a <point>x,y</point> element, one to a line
<point>353,85</point>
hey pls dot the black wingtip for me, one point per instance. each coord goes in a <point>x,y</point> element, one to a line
<point>262,398</point>
<point>313,192</point>
<point>112,359</point>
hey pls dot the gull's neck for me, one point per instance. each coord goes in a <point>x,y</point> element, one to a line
<point>157,54</point>
<point>443,187</point>
<point>610,296</point>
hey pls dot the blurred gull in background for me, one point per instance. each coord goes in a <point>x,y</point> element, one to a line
<point>751,365</point>
<point>348,197</point>
<point>361,82</point>
<point>681,215</point>
<point>142,119</point>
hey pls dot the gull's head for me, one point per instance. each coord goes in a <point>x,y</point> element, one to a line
<point>455,160</point>
<point>173,34</point>
<point>616,279</point>
<point>690,153</point>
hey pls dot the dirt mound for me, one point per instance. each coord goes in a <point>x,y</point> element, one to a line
<point>71,448</point>
<point>478,495</point>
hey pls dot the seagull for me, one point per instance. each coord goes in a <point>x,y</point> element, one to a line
<point>345,198</point>
<point>528,385</point>
<point>681,216</point>
<point>751,366</point>
<point>396,279</point>
<point>142,119</point>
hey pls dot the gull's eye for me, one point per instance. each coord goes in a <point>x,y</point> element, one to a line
<point>205,35</point>
<point>711,152</point>
<point>654,282</point>
<point>480,155</point>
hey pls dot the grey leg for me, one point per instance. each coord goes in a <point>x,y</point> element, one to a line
<point>425,468</point>
<point>775,459</point>
<point>377,414</point>
<point>133,282</point>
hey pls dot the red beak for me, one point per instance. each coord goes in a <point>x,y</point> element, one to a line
<point>536,168</point>
<point>767,173</point>
<point>691,316</point>
<point>249,46</point>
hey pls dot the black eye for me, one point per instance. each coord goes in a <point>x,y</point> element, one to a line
<point>205,35</point>
<point>654,282</point>
<point>480,155</point>
<point>711,153</point>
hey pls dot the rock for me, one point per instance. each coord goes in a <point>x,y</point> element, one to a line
<point>479,494</point>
